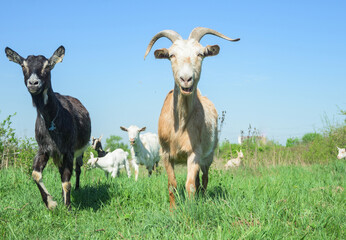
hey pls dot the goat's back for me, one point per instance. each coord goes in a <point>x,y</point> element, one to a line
<point>81,119</point>
<point>151,142</point>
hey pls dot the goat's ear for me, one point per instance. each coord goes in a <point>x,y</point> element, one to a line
<point>92,138</point>
<point>100,137</point>
<point>142,129</point>
<point>161,53</point>
<point>123,128</point>
<point>211,50</point>
<point>13,56</point>
<point>338,148</point>
<point>57,57</point>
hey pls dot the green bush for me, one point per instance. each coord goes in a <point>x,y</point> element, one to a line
<point>113,142</point>
<point>290,142</point>
<point>311,137</point>
<point>17,152</point>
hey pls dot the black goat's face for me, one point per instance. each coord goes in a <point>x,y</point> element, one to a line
<point>96,143</point>
<point>36,69</point>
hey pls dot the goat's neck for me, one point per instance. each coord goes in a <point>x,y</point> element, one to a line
<point>137,147</point>
<point>47,104</point>
<point>100,151</point>
<point>183,107</point>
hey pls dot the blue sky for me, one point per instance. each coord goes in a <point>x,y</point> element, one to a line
<point>285,74</point>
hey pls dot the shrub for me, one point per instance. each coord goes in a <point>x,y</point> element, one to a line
<point>113,142</point>
<point>290,142</point>
<point>311,137</point>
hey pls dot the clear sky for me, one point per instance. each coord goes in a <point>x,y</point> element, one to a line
<point>287,71</point>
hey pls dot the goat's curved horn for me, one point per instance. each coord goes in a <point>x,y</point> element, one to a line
<point>198,32</point>
<point>170,34</point>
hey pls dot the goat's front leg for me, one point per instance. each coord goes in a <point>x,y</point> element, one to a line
<point>192,174</point>
<point>40,163</point>
<point>115,172</point>
<point>128,170</point>
<point>136,167</point>
<point>66,173</point>
<point>172,182</point>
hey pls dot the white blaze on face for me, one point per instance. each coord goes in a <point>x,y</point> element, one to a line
<point>133,132</point>
<point>33,78</point>
<point>186,58</point>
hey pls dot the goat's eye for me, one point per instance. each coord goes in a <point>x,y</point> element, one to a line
<point>171,56</point>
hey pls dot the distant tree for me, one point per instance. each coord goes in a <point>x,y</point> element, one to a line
<point>290,142</point>
<point>113,142</point>
<point>310,137</point>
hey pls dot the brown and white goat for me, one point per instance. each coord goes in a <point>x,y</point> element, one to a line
<point>62,128</point>
<point>188,121</point>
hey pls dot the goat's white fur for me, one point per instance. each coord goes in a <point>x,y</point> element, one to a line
<point>145,148</point>
<point>235,162</point>
<point>342,153</point>
<point>111,163</point>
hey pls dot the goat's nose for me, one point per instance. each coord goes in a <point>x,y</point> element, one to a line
<point>186,79</point>
<point>33,82</point>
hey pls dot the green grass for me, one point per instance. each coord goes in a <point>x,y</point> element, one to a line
<point>281,202</point>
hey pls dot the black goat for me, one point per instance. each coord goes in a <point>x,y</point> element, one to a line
<point>62,128</point>
<point>96,145</point>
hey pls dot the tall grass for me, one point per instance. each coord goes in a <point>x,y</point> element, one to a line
<point>282,202</point>
<point>312,148</point>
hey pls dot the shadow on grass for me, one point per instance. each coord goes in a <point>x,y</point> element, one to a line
<point>213,192</point>
<point>91,196</point>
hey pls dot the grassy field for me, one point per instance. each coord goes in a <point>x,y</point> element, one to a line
<point>281,202</point>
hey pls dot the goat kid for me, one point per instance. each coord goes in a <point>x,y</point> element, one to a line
<point>111,163</point>
<point>97,146</point>
<point>62,128</point>
<point>342,153</point>
<point>234,162</point>
<point>188,121</point>
<point>145,148</point>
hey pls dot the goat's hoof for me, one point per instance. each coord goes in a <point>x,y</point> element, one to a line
<point>51,204</point>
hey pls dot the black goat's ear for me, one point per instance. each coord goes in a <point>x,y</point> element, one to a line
<point>13,56</point>
<point>57,57</point>
<point>161,53</point>
<point>211,50</point>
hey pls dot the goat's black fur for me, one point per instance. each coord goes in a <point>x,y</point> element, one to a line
<point>97,145</point>
<point>62,125</point>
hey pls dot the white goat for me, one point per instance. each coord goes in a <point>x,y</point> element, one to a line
<point>342,153</point>
<point>111,163</point>
<point>145,148</point>
<point>234,162</point>
<point>188,121</point>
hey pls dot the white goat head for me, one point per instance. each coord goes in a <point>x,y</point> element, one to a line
<point>342,153</point>
<point>133,132</point>
<point>92,161</point>
<point>186,56</point>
